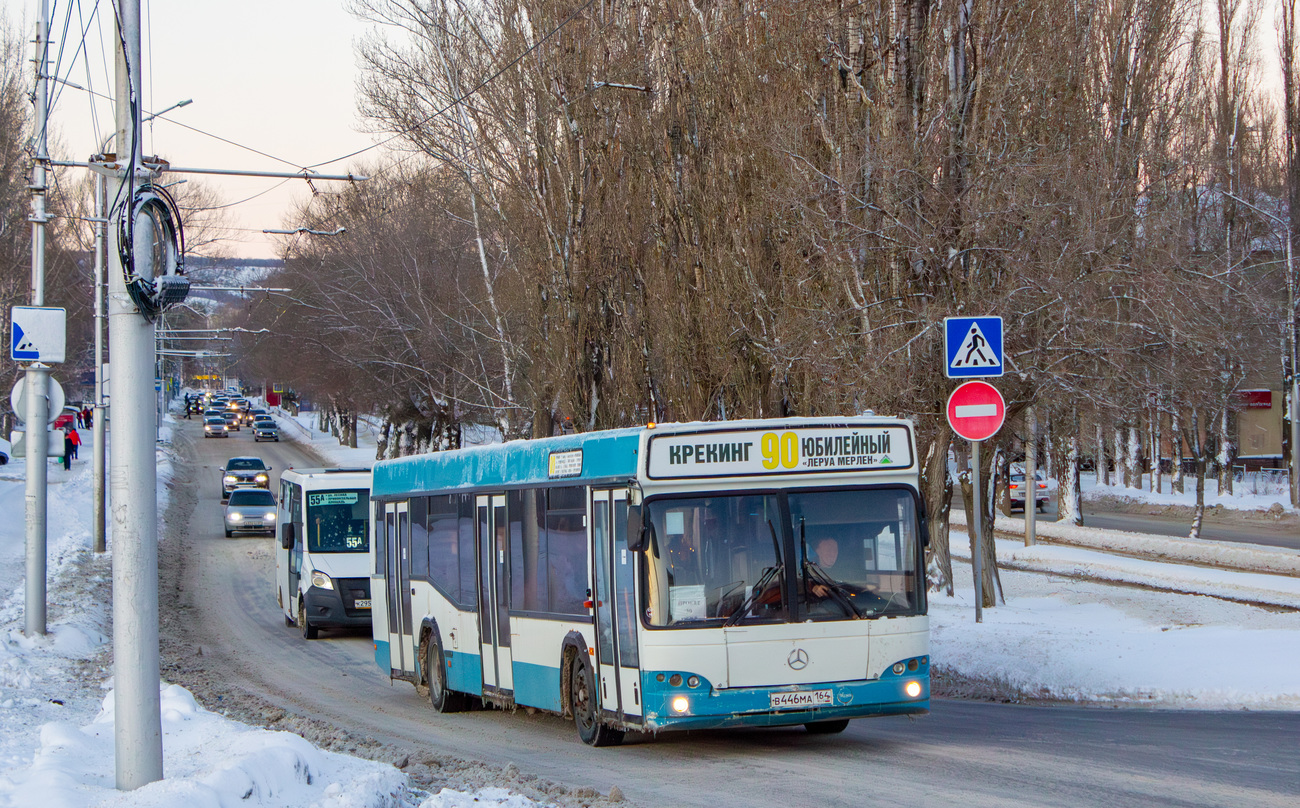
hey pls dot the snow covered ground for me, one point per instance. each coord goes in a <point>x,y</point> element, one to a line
<point>1173,642</point>
<point>1253,495</point>
<point>56,697</point>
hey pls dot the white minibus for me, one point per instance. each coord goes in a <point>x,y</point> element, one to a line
<point>322,574</point>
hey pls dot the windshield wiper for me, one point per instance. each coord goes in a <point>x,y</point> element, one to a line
<point>760,586</point>
<point>811,570</point>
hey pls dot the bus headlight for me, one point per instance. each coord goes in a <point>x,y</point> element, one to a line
<point>320,580</point>
<point>681,704</point>
<point>912,689</point>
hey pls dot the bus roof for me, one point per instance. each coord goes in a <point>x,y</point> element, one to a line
<point>578,458</point>
<point>604,455</point>
<point>325,475</point>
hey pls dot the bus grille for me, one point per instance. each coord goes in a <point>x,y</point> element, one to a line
<point>352,590</point>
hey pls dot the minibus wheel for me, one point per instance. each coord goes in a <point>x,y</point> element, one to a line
<point>582,694</point>
<point>309,631</point>
<point>442,699</point>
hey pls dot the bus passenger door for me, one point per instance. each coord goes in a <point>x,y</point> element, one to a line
<point>494,593</point>
<point>613,599</point>
<point>397,524</point>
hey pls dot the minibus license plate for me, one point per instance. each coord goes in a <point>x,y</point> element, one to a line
<point>361,604</point>
<point>802,700</point>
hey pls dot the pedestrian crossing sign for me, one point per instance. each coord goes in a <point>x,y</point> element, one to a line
<point>973,347</point>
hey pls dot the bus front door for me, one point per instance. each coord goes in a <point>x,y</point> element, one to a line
<point>617,657</point>
<point>494,594</point>
<point>398,547</point>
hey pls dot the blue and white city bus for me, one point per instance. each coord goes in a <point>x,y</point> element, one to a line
<point>744,573</point>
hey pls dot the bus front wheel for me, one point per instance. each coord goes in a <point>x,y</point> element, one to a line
<point>582,697</point>
<point>309,631</point>
<point>442,699</point>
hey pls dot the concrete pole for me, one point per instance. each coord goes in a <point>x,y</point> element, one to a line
<point>99,427</point>
<point>133,470</point>
<point>38,376</point>
<point>1031,478</point>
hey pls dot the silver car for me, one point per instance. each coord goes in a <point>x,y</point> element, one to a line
<point>250,510</point>
<point>266,429</point>
<point>215,427</point>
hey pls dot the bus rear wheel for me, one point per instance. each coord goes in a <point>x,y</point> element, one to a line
<point>827,727</point>
<point>582,697</point>
<point>442,699</point>
<point>309,631</point>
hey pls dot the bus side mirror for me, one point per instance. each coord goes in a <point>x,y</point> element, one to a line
<point>635,528</point>
<point>287,536</point>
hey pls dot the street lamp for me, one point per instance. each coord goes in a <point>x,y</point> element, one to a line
<point>1294,471</point>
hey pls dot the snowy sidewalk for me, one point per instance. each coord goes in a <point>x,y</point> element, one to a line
<point>1218,554</point>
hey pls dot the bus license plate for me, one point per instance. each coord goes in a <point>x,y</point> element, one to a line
<point>361,604</point>
<point>802,700</point>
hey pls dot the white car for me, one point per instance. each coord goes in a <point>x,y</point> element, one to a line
<point>1017,490</point>
<point>250,510</point>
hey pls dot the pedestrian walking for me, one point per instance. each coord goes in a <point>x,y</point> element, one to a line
<point>90,418</point>
<point>67,450</point>
<point>85,417</point>
<point>75,437</point>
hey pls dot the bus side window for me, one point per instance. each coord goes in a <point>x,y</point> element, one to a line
<point>444,545</point>
<point>468,568</point>
<point>528,550</point>
<point>419,537</point>
<point>566,549</point>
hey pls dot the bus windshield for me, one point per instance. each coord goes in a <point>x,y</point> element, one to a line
<point>724,560</point>
<point>336,521</point>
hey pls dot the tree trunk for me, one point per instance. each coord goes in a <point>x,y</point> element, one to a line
<point>1117,435</point>
<point>1198,451</point>
<point>1157,472</point>
<point>938,502</point>
<point>1031,476</point>
<point>1133,459</point>
<point>1069,501</point>
<point>1227,454</point>
<point>1176,453</point>
<point>1004,481</point>
<point>1100,468</point>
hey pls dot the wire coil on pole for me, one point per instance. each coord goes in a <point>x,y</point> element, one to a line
<point>169,284</point>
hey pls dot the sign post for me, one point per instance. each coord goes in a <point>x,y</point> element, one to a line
<point>976,412</point>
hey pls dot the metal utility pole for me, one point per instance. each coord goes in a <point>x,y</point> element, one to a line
<point>38,376</point>
<point>133,470</point>
<point>99,426</point>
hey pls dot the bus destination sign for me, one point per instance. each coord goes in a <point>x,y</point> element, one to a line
<point>752,453</point>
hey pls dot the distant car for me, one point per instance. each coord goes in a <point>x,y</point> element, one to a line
<point>244,472</point>
<point>215,427</point>
<point>212,413</point>
<point>1017,491</point>
<point>232,420</point>
<point>250,510</point>
<point>266,429</point>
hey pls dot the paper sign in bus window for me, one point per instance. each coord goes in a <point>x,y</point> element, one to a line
<point>686,603</point>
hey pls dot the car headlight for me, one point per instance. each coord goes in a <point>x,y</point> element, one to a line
<point>207,428</point>
<point>270,517</point>
<point>320,580</point>
<point>230,478</point>
<point>235,517</point>
<point>261,478</point>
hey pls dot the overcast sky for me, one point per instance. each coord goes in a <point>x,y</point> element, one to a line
<point>278,76</point>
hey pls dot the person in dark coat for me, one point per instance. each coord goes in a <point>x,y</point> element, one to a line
<point>67,450</point>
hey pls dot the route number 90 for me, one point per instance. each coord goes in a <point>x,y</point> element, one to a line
<point>780,450</point>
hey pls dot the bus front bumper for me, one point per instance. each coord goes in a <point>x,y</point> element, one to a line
<point>710,708</point>
<point>325,609</point>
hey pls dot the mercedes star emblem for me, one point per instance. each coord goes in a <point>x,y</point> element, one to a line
<point>798,659</point>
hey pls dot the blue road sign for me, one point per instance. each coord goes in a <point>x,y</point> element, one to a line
<point>37,334</point>
<point>973,347</point>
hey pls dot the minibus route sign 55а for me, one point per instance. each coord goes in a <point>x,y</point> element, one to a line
<point>744,573</point>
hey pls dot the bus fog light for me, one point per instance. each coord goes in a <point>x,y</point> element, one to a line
<point>675,680</point>
<point>681,704</point>
<point>912,665</point>
<point>694,681</point>
<point>899,667</point>
<point>913,689</point>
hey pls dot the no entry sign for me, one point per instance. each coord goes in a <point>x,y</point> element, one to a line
<point>976,410</point>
